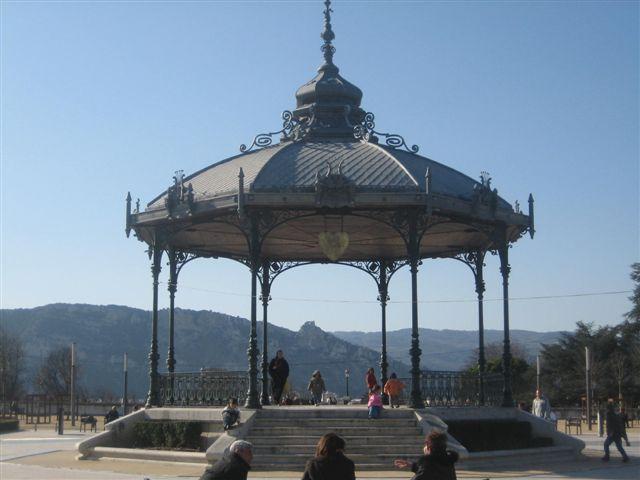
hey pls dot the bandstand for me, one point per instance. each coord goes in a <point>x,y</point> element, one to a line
<point>328,188</point>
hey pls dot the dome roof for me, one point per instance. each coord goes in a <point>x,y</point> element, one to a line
<point>294,167</point>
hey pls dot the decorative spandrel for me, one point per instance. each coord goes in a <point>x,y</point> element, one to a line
<point>366,131</point>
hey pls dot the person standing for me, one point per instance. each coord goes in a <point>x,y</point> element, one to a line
<point>330,461</point>
<point>394,388</point>
<point>614,433</point>
<point>436,464</point>
<point>375,402</point>
<point>370,380</point>
<point>235,465</point>
<point>279,372</point>
<point>316,387</point>
<point>541,406</point>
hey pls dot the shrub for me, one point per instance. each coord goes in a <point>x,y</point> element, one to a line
<point>485,435</point>
<point>174,435</point>
<point>9,424</point>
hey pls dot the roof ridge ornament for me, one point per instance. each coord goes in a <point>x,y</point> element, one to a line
<point>366,131</point>
<point>327,35</point>
<point>292,130</point>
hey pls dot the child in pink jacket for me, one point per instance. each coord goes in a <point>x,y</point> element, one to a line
<point>375,402</point>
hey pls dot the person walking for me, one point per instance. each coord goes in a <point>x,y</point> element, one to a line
<point>370,379</point>
<point>614,433</point>
<point>235,465</point>
<point>330,463</point>
<point>279,372</point>
<point>375,402</point>
<point>394,388</point>
<point>541,406</point>
<point>316,387</point>
<point>436,464</point>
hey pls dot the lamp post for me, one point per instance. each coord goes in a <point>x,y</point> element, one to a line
<point>72,404</point>
<point>124,396</point>
<point>588,379</point>
<point>346,379</point>
<point>537,372</point>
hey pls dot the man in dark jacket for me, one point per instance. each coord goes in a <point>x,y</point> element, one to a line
<point>279,372</point>
<point>233,466</point>
<point>436,464</point>
<point>614,433</point>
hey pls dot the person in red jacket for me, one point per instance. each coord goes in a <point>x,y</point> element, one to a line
<point>371,380</point>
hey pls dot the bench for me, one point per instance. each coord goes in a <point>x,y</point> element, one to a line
<point>572,422</point>
<point>89,420</point>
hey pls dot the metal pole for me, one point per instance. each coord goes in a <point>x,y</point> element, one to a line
<point>480,287</point>
<point>253,398</point>
<point>505,269</point>
<point>588,385</point>
<point>73,382</point>
<point>124,396</point>
<point>265,296</point>
<point>383,298</point>
<point>346,377</point>
<point>172,287</point>
<point>152,396</point>
<point>537,372</point>
<point>415,400</point>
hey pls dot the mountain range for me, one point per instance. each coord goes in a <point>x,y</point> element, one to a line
<point>211,339</point>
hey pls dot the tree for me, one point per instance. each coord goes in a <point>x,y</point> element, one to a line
<point>12,359</point>
<point>634,313</point>
<point>54,376</point>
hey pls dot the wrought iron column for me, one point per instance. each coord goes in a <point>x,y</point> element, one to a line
<point>172,287</point>
<point>505,269</point>
<point>383,298</point>
<point>265,297</point>
<point>480,287</point>
<point>253,397</point>
<point>415,399</point>
<point>152,397</point>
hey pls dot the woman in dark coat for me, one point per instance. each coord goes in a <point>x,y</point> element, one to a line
<point>330,462</point>
<point>436,464</point>
<point>279,372</point>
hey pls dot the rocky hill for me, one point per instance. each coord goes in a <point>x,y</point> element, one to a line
<point>203,339</point>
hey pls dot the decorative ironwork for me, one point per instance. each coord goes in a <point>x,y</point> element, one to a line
<point>179,193</point>
<point>483,194</point>
<point>366,131</point>
<point>531,228</point>
<point>292,129</point>
<point>327,35</point>
<point>459,389</point>
<point>334,189</point>
<point>204,388</point>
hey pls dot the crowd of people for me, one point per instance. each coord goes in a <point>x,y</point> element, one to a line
<point>331,462</point>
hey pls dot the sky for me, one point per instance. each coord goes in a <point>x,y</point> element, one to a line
<point>102,98</point>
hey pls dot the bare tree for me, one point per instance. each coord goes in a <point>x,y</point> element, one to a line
<point>54,375</point>
<point>619,364</point>
<point>12,359</point>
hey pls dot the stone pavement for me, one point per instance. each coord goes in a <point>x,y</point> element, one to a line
<point>45,455</point>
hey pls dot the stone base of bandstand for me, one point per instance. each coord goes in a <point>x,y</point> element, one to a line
<point>284,437</point>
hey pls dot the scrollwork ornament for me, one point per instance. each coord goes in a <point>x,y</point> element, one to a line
<point>366,131</point>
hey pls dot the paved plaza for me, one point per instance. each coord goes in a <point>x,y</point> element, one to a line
<point>42,454</point>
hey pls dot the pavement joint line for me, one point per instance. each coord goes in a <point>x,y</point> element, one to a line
<point>37,439</point>
<point>20,457</point>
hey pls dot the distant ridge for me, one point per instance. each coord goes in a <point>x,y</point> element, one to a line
<point>211,339</point>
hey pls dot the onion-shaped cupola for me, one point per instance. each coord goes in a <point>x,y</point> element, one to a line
<point>328,104</point>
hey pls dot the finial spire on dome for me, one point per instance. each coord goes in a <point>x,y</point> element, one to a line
<point>327,34</point>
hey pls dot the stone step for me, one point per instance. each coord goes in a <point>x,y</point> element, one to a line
<point>358,458</point>
<point>297,467</point>
<point>399,423</point>
<point>351,440</point>
<point>328,412</point>
<point>377,448</point>
<point>318,432</point>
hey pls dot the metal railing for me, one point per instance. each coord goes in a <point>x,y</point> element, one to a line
<point>204,388</point>
<point>457,389</point>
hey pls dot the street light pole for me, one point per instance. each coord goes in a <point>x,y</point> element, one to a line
<point>537,372</point>
<point>73,381</point>
<point>346,377</point>
<point>124,396</point>
<point>588,380</point>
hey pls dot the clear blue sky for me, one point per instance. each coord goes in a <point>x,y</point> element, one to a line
<point>99,98</point>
